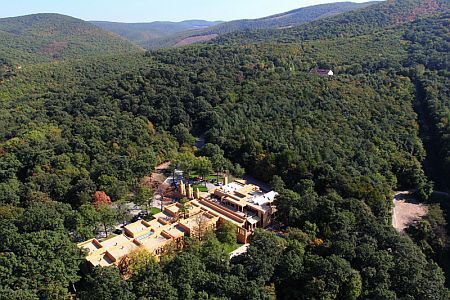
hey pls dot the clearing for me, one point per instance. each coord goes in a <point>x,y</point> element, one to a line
<point>407,210</point>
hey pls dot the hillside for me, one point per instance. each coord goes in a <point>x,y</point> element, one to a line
<point>47,37</point>
<point>334,147</point>
<point>287,19</point>
<point>353,23</point>
<point>142,33</point>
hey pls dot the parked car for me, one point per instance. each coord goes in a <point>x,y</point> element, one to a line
<point>141,215</point>
<point>117,231</point>
<point>123,225</point>
<point>135,218</point>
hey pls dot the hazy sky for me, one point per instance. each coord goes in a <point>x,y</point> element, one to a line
<point>156,10</point>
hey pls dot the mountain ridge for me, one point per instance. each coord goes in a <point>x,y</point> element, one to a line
<point>286,19</point>
<point>141,32</point>
<point>47,36</point>
<point>374,17</point>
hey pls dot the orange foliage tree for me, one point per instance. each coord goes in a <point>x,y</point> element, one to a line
<point>100,197</point>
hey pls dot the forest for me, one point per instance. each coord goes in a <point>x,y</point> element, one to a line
<point>78,132</point>
<point>287,19</point>
<point>47,37</point>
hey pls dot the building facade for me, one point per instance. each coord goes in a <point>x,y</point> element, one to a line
<point>244,205</point>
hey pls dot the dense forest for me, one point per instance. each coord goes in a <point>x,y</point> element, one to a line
<point>46,37</point>
<point>283,20</point>
<point>335,148</point>
<point>143,33</point>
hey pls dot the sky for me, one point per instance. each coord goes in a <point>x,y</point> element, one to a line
<point>156,10</point>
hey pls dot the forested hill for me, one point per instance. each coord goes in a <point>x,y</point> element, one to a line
<point>47,37</point>
<point>142,33</point>
<point>421,26</point>
<point>283,20</point>
<point>335,148</point>
<point>364,21</point>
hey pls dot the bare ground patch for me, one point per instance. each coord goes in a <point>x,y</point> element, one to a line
<point>195,39</point>
<point>407,211</point>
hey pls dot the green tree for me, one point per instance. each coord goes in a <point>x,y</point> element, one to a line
<point>122,211</point>
<point>226,233</point>
<point>144,197</point>
<point>186,161</point>
<point>39,260</point>
<point>105,283</point>
<point>149,280</point>
<point>183,135</point>
<point>262,256</point>
<point>185,206</point>
<point>87,221</point>
<point>203,166</point>
<point>107,216</point>
<point>219,164</point>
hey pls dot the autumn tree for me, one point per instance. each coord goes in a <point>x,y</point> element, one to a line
<point>135,262</point>
<point>99,198</point>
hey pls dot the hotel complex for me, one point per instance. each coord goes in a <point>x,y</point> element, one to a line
<point>242,204</point>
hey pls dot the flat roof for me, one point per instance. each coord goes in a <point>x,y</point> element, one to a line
<point>262,199</point>
<point>154,242</point>
<point>137,226</point>
<point>155,224</point>
<point>119,251</point>
<point>176,231</point>
<point>242,195</point>
<point>240,190</point>
<point>115,241</point>
<point>164,216</point>
<point>91,245</point>
<point>100,260</point>
<point>213,211</point>
<point>193,221</point>
<point>241,202</point>
<point>172,208</point>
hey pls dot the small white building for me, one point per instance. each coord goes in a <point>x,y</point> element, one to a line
<point>323,72</point>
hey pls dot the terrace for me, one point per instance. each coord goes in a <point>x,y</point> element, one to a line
<point>102,260</point>
<point>176,231</point>
<point>115,241</point>
<point>137,228</point>
<point>244,205</point>
<point>164,217</point>
<point>91,245</point>
<point>154,242</point>
<point>120,251</point>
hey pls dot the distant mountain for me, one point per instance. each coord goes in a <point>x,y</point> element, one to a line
<point>283,20</point>
<point>142,33</point>
<point>365,21</point>
<point>46,37</point>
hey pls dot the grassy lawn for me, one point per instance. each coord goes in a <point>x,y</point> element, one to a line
<point>231,247</point>
<point>209,177</point>
<point>154,211</point>
<point>151,212</point>
<point>200,186</point>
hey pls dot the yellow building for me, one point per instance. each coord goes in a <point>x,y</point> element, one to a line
<point>242,204</point>
<point>247,200</point>
<point>157,236</point>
